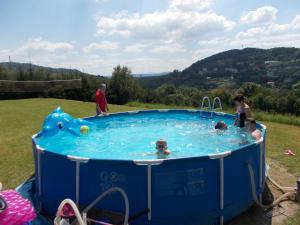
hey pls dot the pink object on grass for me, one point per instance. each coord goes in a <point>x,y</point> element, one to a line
<point>18,211</point>
<point>289,152</point>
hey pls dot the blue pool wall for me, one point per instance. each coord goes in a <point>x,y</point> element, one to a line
<point>184,191</point>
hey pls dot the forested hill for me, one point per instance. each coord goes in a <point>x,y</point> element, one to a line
<point>276,67</point>
<point>28,71</point>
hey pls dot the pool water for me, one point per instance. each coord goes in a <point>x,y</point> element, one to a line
<point>133,137</point>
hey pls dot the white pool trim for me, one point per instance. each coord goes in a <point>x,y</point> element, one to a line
<point>219,155</point>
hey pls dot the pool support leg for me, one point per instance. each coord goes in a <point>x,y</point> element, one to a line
<point>149,190</point>
<point>149,164</point>
<point>221,189</point>
<point>78,161</point>
<point>221,157</point>
<point>38,152</point>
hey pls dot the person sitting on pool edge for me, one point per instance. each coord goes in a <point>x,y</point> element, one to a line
<point>242,109</point>
<point>162,147</point>
<point>251,126</point>
<point>221,125</point>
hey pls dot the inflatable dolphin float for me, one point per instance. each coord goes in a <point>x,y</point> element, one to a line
<point>60,121</point>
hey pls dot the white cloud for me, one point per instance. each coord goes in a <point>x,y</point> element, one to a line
<point>148,64</point>
<point>135,48</point>
<point>168,48</point>
<point>214,41</point>
<point>104,45</point>
<point>40,51</point>
<point>296,22</point>
<point>173,23</point>
<point>270,35</point>
<point>39,45</point>
<point>39,48</point>
<point>270,30</point>
<point>190,5</point>
<point>265,14</point>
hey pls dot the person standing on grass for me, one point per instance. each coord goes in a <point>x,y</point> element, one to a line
<point>242,109</point>
<point>101,102</point>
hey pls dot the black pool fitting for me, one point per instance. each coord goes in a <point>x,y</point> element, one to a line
<point>298,191</point>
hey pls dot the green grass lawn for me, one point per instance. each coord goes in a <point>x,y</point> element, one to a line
<point>20,119</point>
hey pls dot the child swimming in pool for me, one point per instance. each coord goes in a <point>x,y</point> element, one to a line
<point>251,127</point>
<point>221,125</point>
<point>162,147</point>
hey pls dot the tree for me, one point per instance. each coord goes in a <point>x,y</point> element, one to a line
<point>269,103</point>
<point>248,88</point>
<point>123,86</point>
<point>297,107</point>
<point>21,74</point>
<point>258,101</point>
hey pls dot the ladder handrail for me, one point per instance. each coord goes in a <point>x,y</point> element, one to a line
<point>220,104</point>
<point>203,101</point>
<point>82,219</point>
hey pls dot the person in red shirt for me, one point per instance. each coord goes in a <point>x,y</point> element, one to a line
<point>101,103</point>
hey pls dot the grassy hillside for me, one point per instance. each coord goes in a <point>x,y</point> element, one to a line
<point>230,68</point>
<point>19,119</point>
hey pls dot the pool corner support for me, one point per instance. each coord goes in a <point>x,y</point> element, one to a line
<point>78,161</point>
<point>221,156</point>
<point>149,164</point>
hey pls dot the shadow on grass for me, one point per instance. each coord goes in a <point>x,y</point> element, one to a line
<point>256,215</point>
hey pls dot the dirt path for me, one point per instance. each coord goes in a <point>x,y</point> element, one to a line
<point>256,216</point>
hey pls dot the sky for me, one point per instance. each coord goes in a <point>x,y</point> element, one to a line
<point>148,36</point>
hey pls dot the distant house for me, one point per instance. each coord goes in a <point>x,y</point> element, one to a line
<point>270,74</point>
<point>272,62</point>
<point>292,67</point>
<point>271,84</point>
<point>288,80</point>
<point>232,70</point>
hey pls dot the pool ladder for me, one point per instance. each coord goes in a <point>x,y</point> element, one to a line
<point>210,108</point>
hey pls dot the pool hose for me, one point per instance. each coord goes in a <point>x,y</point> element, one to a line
<point>57,220</point>
<point>254,193</point>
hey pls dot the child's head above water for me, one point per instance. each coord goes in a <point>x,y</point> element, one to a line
<point>162,147</point>
<point>221,125</point>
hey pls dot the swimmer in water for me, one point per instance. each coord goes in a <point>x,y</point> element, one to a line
<point>251,126</point>
<point>221,125</point>
<point>161,147</point>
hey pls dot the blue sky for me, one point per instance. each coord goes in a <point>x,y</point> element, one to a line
<point>147,36</point>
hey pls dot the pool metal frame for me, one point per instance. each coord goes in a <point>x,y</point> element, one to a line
<point>149,163</point>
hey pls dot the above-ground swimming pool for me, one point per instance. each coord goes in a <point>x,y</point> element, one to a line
<point>204,180</point>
